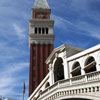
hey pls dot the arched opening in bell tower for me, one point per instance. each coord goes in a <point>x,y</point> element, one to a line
<point>58,70</point>
<point>46,30</point>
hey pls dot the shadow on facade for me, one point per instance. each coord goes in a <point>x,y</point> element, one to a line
<point>90,66</point>
<point>58,70</point>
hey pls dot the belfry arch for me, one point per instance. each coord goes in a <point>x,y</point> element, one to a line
<point>58,70</point>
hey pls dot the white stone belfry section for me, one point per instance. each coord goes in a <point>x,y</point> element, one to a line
<point>41,25</point>
<point>73,73</point>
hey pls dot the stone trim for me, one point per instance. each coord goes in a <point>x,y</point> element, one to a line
<point>74,92</point>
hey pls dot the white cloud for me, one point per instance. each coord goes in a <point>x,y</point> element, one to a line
<point>10,52</point>
<point>13,64</point>
<point>15,67</point>
<point>19,31</point>
<point>5,82</point>
<point>76,43</point>
<point>8,81</point>
<point>61,22</point>
<point>96,35</point>
<point>90,29</point>
<point>93,31</point>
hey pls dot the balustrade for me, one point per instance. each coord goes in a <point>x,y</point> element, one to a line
<point>94,76</point>
<point>78,79</point>
<point>74,92</point>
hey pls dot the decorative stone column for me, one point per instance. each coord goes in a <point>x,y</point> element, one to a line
<point>66,69</point>
<point>97,59</point>
<point>51,74</point>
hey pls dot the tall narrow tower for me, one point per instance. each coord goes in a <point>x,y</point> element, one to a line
<point>41,41</point>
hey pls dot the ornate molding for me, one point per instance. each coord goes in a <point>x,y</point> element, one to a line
<point>42,41</point>
<point>65,54</point>
<point>50,67</point>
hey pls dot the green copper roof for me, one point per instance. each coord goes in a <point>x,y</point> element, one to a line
<point>41,4</point>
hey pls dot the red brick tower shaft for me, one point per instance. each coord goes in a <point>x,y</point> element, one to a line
<point>41,41</point>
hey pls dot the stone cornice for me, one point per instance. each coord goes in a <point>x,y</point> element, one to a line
<point>41,39</point>
<point>38,21</point>
<point>42,42</point>
<point>41,20</point>
<point>48,10</point>
<point>85,52</point>
<point>41,36</point>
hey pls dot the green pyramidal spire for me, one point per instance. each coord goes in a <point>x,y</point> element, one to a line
<point>41,4</point>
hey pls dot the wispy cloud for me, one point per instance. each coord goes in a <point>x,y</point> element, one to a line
<point>19,31</point>
<point>12,70</point>
<point>76,43</point>
<point>60,22</point>
<point>14,62</point>
<point>9,78</point>
<point>80,18</point>
<point>10,52</point>
<point>79,27</point>
<point>88,29</point>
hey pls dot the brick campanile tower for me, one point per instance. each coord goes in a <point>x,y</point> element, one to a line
<point>41,40</point>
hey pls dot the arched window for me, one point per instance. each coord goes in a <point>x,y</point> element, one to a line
<point>46,30</point>
<point>90,65</point>
<point>47,85</point>
<point>35,30</point>
<point>39,30</point>
<point>58,70</point>
<point>76,69</point>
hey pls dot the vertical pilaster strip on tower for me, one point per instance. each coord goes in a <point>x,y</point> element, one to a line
<point>36,66</point>
<point>33,64</point>
<point>44,65</point>
<point>46,54</point>
<point>41,63</point>
<point>30,77</point>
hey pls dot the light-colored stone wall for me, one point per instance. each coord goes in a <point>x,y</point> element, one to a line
<point>82,60</point>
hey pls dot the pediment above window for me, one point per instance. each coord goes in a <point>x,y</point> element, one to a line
<point>66,51</point>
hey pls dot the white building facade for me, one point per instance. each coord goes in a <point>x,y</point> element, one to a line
<point>74,74</point>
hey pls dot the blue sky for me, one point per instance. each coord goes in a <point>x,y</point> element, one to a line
<point>77,23</point>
